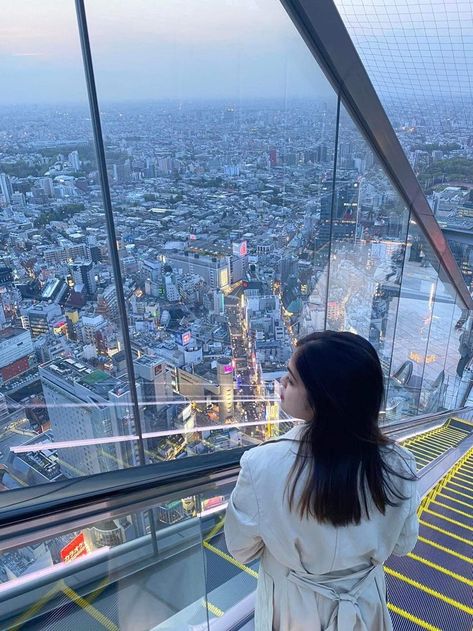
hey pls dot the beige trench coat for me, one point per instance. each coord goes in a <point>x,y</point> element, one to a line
<point>315,577</point>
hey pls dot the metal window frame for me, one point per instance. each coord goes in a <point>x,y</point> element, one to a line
<point>327,38</point>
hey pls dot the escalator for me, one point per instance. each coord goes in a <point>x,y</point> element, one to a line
<point>184,578</point>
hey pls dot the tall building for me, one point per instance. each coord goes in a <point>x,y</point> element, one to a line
<point>16,350</point>
<point>97,405</point>
<point>83,273</point>
<point>5,189</point>
<point>156,379</point>
<point>73,159</point>
<point>212,267</point>
<point>225,382</point>
<point>41,316</point>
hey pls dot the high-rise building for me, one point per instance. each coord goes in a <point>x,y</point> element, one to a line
<point>156,378</point>
<point>86,394</point>
<point>212,267</point>
<point>225,382</point>
<point>16,349</point>
<point>73,159</point>
<point>83,273</point>
<point>5,189</point>
<point>41,316</point>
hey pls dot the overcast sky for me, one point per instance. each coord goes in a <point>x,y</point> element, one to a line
<point>152,49</point>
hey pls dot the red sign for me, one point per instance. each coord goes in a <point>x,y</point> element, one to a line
<point>75,548</point>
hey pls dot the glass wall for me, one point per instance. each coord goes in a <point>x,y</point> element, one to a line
<point>369,227</point>
<point>413,326</point>
<point>220,156</point>
<point>62,403</point>
<point>240,227</point>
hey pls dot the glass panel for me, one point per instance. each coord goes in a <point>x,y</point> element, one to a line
<point>369,228</point>
<point>108,574</point>
<point>459,356</point>
<point>436,377</point>
<point>220,140</point>
<point>416,304</point>
<point>60,339</point>
<point>462,251</point>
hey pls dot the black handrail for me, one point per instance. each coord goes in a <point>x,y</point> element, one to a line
<point>111,491</point>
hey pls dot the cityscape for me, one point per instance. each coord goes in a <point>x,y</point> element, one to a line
<point>240,228</point>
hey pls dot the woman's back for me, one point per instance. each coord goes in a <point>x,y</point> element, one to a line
<point>259,523</point>
<point>326,504</point>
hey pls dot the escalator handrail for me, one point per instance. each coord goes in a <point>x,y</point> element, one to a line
<point>62,503</point>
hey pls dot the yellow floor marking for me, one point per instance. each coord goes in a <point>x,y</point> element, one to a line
<point>98,590</point>
<point>467,467</point>
<point>230,559</point>
<point>428,590</point>
<point>447,488</point>
<point>464,478</point>
<point>451,521</point>
<point>421,456</point>
<point>455,510</point>
<point>446,532</point>
<point>431,440</point>
<point>455,436</point>
<point>453,499</point>
<point>461,486</point>
<point>212,608</point>
<point>34,609</point>
<point>434,544</point>
<point>415,619</point>
<point>426,451</point>
<point>440,568</point>
<point>215,529</point>
<point>91,610</point>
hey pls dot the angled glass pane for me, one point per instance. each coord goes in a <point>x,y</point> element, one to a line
<point>413,327</point>
<point>219,130</point>
<point>108,574</point>
<point>439,366</point>
<point>61,403</point>
<point>459,372</point>
<point>369,229</point>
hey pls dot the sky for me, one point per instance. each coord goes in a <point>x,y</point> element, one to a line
<point>231,49</point>
<point>149,49</point>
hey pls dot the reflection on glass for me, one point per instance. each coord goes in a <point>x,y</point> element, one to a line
<point>108,573</point>
<point>369,226</point>
<point>413,327</point>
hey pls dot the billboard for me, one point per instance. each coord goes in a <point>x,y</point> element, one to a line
<point>240,249</point>
<point>75,548</point>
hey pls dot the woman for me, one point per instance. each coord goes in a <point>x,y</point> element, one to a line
<point>325,505</point>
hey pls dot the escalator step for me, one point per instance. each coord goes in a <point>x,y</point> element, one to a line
<point>432,580</point>
<point>434,516</point>
<point>441,507</point>
<point>459,488</point>
<point>403,623</point>
<point>427,607</point>
<point>444,558</point>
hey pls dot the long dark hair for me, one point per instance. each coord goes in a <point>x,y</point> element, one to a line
<point>341,445</point>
